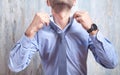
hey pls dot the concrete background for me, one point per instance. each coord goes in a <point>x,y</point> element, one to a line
<point>16,15</point>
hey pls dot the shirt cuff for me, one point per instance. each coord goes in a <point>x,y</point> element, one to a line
<point>98,38</point>
<point>27,42</point>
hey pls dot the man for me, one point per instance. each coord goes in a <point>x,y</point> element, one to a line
<point>62,42</point>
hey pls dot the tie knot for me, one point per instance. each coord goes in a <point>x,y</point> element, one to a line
<point>61,35</point>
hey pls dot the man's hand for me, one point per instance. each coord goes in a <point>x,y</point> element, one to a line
<point>39,20</point>
<point>83,18</point>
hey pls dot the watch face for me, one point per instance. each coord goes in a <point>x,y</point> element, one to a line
<point>93,28</point>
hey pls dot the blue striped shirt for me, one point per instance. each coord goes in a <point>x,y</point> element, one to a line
<point>78,42</point>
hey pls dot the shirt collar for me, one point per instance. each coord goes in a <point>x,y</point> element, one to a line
<point>57,28</point>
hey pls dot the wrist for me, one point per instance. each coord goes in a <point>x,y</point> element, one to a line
<point>94,32</point>
<point>93,29</point>
<point>30,33</point>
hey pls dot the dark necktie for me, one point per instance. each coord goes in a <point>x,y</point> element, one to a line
<point>62,61</point>
<point>62,54</point>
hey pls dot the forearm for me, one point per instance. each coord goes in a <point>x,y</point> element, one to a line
<point>22,53</point>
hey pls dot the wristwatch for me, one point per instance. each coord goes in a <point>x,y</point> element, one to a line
<point>93,28</point>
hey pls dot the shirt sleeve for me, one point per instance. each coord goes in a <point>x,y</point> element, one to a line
<point>103,50</point>
<point>21,54</point>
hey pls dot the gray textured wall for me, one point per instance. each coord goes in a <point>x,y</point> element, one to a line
<point>16,15</point>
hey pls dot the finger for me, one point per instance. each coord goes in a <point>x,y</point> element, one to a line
<point>44,19</point>
<point>47,20</point>
<point>41,21</point>
<point>47,23</point>
<point>77,14</point>
<point>78,19</point>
